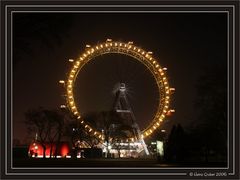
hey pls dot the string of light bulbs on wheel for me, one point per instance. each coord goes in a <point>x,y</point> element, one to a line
<point>129,49</point>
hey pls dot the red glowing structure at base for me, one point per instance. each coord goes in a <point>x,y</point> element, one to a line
<point>36,150</point>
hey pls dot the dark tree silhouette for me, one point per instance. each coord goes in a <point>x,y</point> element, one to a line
<point>114,129</point>
<point>77,134</point>
<point>176,144</point>
<point>56,122</point>
<point>212,105</point>
<point>48,124</point>
<point>112,125</point>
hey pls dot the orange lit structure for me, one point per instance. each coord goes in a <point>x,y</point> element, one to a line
<point>36,150</point>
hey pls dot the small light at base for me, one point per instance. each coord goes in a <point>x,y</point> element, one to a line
<point>63,106</point>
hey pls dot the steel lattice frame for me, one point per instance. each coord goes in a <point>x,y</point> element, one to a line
<point>137,53</point>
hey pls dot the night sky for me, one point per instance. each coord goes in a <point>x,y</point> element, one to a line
<point>185,43</point>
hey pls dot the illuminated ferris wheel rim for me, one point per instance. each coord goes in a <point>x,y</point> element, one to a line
<point>137,53</point>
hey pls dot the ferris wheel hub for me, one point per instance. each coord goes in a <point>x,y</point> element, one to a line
<point>122,87</point>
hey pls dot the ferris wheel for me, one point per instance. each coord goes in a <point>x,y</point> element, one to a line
<point>137,53</point>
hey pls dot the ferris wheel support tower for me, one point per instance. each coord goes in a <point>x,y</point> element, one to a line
<point>122,107</point>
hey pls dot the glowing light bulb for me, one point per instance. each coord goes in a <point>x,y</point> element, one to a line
<point>62,106</point>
